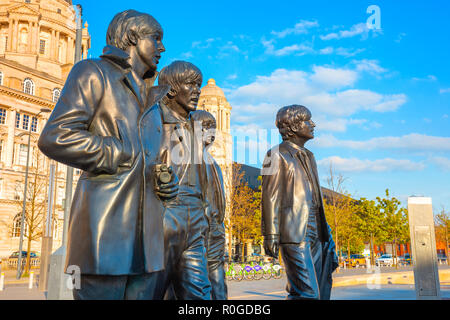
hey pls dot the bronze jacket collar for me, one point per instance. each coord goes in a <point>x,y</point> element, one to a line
<point>117,56</point>
<point>168,116</point>
<point>294,149</point>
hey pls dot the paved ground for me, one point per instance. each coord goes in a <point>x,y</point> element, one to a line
<point>275,290</point>
<point>265,289</point>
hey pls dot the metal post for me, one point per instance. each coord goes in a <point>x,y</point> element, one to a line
<point>423,243</point>
<point>47,238</point>
<point>2,281</point>
<point>22,219</point>
<point>30,283</point>
<point>58,279</point>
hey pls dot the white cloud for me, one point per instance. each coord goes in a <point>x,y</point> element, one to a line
<point>232,76</point>
<point>327,50</point>
<point>348,52</point>
<point>446,90</point>
<point>345,52</point>
<point>400,37</point>
<point>299,28</point>
<point>333,78</point>
<point>370,66</point>
<point>204,44</point>
<point>355,30</point>
<point>379,165</point>
<point>427,78</point>
<point>300,49</point>
<point>443,163</point>
<point>187,55</point>
<point>413,142</point>
<point>324,90</point>
<point>337,125</point>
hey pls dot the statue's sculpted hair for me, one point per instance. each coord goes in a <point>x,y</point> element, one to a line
<point>179,72</point>
<point>203,116</point>
<point>289,116</point>
<point>128,26</point>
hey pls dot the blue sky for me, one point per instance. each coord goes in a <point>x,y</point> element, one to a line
<point>380,98</point>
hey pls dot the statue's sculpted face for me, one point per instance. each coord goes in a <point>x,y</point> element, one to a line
<point>209,132</point>
<point>187,95</point>
<point>150,48</point>
<point>305,129</point>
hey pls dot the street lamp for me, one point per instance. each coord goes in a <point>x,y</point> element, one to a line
<point>19,259</point>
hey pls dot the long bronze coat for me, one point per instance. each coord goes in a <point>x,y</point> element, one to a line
<point>287,197</point>
<point>95,127</point>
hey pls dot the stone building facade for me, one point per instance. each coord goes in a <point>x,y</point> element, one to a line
<point>213,100</point>
<point>37,47</point>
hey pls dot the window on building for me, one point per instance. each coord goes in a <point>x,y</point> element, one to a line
<point>25,122</point>
<point>18,190</point>
<point>17,223</point>
<point>56,94</point>
<point>17,120</point>
<point>22,159</point>
<point>27,1</point>
<point>28,86</point>
<point>42,46</point>
<point>2,116</point>
<point>59,10</point>
<point>34,124</point>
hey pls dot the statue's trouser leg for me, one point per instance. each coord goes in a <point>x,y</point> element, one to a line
<point>185,230</point>
<point>106,287</point>
<point>303,264</point>
<point>216,271</point>
<point>219,290</point>
<point>326,279</point>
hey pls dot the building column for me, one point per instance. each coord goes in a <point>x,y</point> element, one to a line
<point>15,36</point>
<point>35,48</point>
<point>37,37</point>
<point>57,48</point>
<point>10,141</point>
<point>70,55</point>
<point>52,45</point>
<point>10,35</point>
<point>30,38</point>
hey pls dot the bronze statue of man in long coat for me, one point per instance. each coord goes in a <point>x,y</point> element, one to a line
<point>96,126</point>
<point>293,216</point>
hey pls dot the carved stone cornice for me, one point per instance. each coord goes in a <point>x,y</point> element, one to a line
<point>26,97</point>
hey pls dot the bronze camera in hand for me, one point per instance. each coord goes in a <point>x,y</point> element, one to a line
<point>163,174</point>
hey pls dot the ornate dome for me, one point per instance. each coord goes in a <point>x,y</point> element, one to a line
<point>211,89</point>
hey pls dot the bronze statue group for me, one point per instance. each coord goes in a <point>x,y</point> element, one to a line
<point>147,217</point>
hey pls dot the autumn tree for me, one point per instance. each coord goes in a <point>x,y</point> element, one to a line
<point>369,224</point>
<point>395,222</point>
<point>442,230</point>
<point>35,202</point>
<point>338,206</point>
<point>244,222</point>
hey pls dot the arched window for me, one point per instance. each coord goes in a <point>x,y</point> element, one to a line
<point>28,86</point>
<point>56,94</point>
<point>17,222</point>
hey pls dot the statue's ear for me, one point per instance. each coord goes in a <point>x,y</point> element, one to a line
<point>132,37</point>
<point>294,127</point>
<point>172,93</point>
